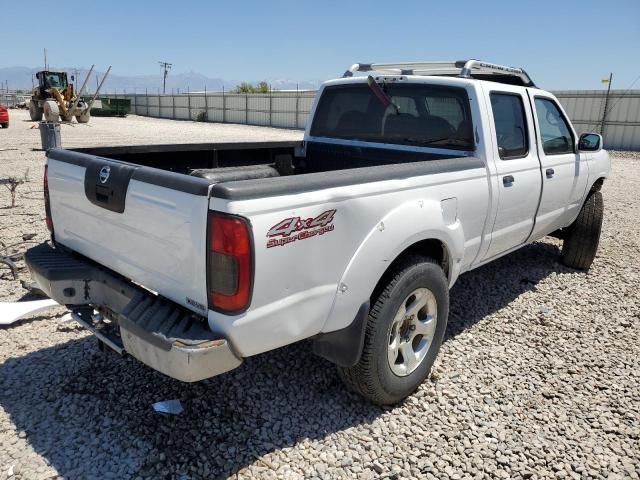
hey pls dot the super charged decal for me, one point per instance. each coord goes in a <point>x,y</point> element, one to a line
<point>293,229</point>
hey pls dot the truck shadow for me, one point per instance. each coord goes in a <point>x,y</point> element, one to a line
<point>84,411</point>
<point>491,287</point>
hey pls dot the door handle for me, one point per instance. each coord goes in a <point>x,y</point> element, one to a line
<point>550,172</point>
<point>508,180</point>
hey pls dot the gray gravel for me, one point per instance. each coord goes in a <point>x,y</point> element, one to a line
<point>538,377</point>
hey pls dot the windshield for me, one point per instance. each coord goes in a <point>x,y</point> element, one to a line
<point>425,115</point>
<point>55,80</point>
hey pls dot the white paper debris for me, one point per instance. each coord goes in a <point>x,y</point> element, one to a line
<point>173,407</point>
<point>11,312</point>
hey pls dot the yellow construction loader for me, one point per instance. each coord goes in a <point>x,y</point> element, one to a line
<point>56,98</point>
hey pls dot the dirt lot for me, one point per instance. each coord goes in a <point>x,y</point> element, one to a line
<point>538,378</point>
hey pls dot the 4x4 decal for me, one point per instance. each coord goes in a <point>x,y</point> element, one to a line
<point>292,229</point>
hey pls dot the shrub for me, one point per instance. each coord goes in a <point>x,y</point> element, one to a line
<point>246,87</point>
<point>12,184</point>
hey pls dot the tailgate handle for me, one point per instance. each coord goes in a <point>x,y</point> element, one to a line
<point>106,183</point>
<point>103,193</point>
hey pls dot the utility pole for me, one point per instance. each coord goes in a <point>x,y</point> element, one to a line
<point>606,103</point>
<point>166,67</point>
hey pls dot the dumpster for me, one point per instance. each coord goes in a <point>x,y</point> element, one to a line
<point>112,107</point>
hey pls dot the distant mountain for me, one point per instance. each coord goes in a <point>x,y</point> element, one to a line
<point>22,77</point>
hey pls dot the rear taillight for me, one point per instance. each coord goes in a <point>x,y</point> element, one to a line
<point>229,263</point>
<point>47,205</point>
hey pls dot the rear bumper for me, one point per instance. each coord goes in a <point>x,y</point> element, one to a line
<point>127,318</point>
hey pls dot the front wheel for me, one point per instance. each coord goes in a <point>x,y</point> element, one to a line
<point>404,332</point>
<point>583,236</point>
<point>51,111</point>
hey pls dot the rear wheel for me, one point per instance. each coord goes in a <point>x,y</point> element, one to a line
<point>84,117</point>
<point>35,112</point>
<point>5,125</point>
<point>583,236</point>
<point>66,118</point>
<point>51,111</point>
<point>404,332</point>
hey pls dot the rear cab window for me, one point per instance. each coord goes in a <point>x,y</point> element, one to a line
<point>426,115</point>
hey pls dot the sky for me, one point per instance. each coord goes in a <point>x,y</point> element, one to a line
<point>563,44</point>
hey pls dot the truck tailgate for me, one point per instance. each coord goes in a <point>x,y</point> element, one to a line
<point>146,224</point>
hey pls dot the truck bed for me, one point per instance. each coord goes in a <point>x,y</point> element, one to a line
<point>254,161</point>
<point>185,157</point>
<point>147,219</point>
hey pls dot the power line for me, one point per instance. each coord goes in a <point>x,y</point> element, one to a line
<point>614,104</point>
<point>166,67</point>
<point>624,93</point>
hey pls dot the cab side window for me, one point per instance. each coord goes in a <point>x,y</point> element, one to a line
<point>554,130</point>
<point>510,123</point>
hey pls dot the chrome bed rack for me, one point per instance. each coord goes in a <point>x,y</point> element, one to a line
<point>461,68</point>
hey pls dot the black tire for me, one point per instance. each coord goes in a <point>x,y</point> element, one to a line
<point>5,125</point>
<point>35,112</point>
<point>583,236</point>
<point>372,377</point>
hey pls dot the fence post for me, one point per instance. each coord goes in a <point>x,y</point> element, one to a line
<point>146,100</point>
<point>246,109</point>
<point>206,105</point>
<point>189,101</point>
<point>297,105</point>
<point>270,107</point>
<point>159,109</point>
<point>173,106</point>
<point>224,106</point>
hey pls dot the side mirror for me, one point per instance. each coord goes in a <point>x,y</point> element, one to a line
<point>590,142</point>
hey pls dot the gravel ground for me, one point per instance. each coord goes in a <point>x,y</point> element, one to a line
<point>538,377</point>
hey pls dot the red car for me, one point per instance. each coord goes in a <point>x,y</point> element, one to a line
<point>4,116</point>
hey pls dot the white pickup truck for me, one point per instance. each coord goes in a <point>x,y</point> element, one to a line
<point>193,257</point>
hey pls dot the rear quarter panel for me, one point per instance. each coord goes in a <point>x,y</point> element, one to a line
<point>317,284</point>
